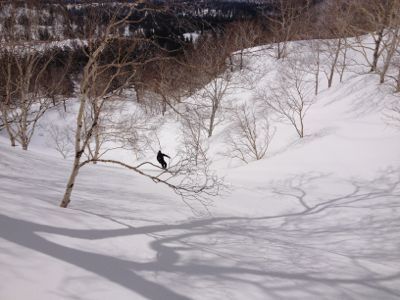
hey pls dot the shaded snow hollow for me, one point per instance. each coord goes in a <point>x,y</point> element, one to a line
<point>318,218</point>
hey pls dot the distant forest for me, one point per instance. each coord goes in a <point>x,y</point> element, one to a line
<point>168,39</point>
<point>169,23</point>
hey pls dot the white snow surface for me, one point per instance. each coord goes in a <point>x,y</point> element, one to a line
<point>318,218</point>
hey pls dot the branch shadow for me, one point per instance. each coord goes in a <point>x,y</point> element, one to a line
<point>311,252</point>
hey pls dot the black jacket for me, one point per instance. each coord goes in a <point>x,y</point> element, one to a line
<point>160,156</point>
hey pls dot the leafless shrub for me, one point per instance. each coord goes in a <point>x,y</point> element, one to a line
<point>291,97</point>
<point>209,101</point>
<point>285,23</point>
<point>30,81</point>
<point>250,135</point>
<point>61,139</point>
<point>314,48</point>
<point>396,76</point>
<point>381,20</point>
<point>194,138</point>
<point>242,35</point>
<point>391,57</point>
<point>335,57</point>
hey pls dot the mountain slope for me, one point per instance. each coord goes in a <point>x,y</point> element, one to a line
<point>318,218</point>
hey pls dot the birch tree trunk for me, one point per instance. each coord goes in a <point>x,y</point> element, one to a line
<point>391,50</point>
<point>212,120</point>
<point>377,48</point>
<point>10,133</point>
<point>334,63</point>
<point>317,70</point>
<point>78,154</point>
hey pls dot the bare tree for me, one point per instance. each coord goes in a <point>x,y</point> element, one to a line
<point>194,137</point>
<point>121,127</point>
<point>136,131</point>
<point>110,68</point>
<point>6,101</point>
<point>291,97</point>
<point>333,50</point>
<point>209,101</point>
<point>396,74</point>
<point>343,19</point>
<point>250,135</point>
<point>97,86</point>
<point>314,59</point>
<point>284,22</point>
<point>9,38</point>
<point>214,82</point>
<point>380,19</point>
<point>242,35</point>
<point>391,45</point>
<point>26,91</point>
<point>61,139</point>
<point>336,26</point>
<point>168,81</point>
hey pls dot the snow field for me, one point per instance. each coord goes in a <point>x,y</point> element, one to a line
<point>318,218</point>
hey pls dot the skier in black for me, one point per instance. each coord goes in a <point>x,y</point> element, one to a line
<point>160,158</point>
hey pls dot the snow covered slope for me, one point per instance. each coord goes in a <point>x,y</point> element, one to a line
<point>318,218</point>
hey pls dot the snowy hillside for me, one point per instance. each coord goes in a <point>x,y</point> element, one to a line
<point>317,218</point>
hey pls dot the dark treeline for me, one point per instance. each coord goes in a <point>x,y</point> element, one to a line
<point>178,30</point>
<point>172,26</point>
<point>167,22</point>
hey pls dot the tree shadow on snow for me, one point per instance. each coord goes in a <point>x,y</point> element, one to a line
<point>327,248</point>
